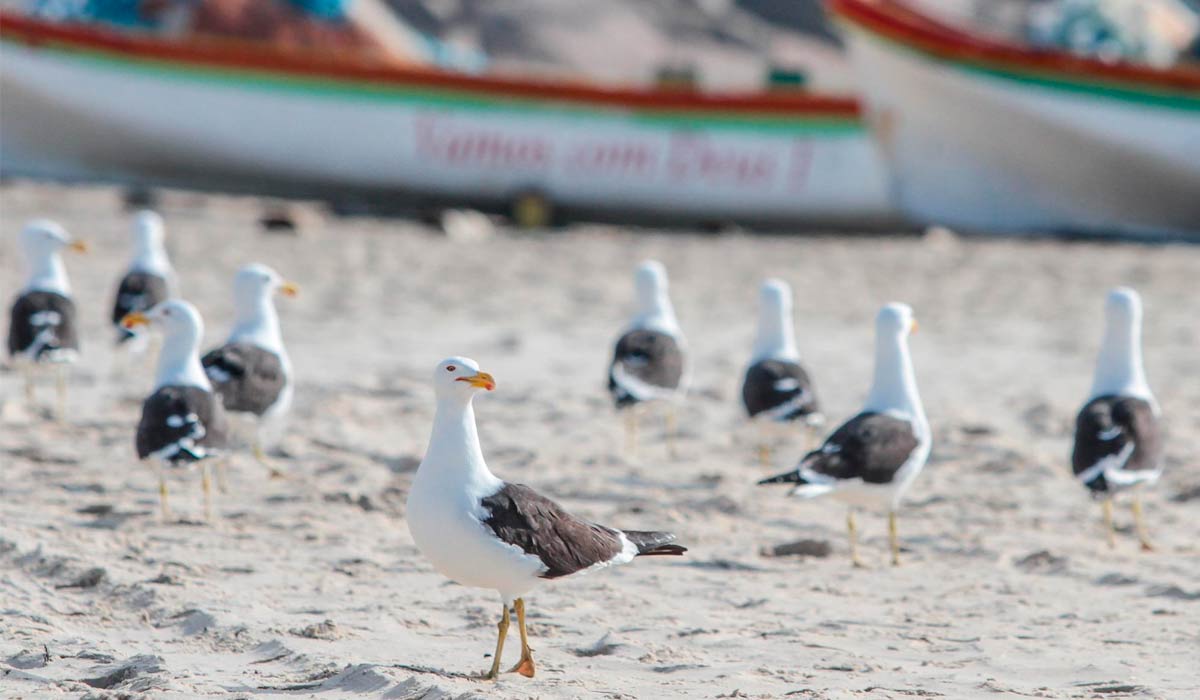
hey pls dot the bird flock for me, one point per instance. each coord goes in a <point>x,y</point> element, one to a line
<point>481,531</point>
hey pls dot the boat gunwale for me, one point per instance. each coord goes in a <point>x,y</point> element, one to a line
<point>897,21</point>
<point>240,56</point>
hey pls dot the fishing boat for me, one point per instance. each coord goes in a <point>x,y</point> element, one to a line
<point>85,102</point>
<point>987,133</point>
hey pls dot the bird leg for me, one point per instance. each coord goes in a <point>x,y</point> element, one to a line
<point>60,379</point>
<point>30,387</point>
<point>206,483</point>
<point>503,632</point>
<point>672,427</point>
<point>852,530</point>
<point>893,538</point>
<point>1143,535</point>
<point>162,494</point>
<point>1109,531</point>
<point>223,475</point>
<point>525,665</point>
<point>631,432</point>
<point>764,444</point>
<point>261,456</point>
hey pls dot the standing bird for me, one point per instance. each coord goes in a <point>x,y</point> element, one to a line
<point>43,327</point>
<point>251,371</point>
<point>776,389</point>
<point>871,459</point>
<point>487,533</point>
<point>649,362</point>
<point>149,280</point>
<point>1118,441</point>
<point>182,420</point>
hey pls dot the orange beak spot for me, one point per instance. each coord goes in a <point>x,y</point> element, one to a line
<point>79,246</point>
<point>289,289</point>
<point>482,380</point>
<point>914,326</point>
<point>134,319</point>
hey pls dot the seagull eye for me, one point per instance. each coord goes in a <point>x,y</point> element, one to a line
<point>450,368</point>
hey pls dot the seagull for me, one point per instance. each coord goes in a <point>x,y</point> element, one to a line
<point>776,388</point>
<point>149,279</point>
<point>43,328</point>
<point>251,371</point>
<point>871,459</point>
<point>182,420</point>
<point>650,359</point>
<point>1118,439</point>
<point>484,532</point>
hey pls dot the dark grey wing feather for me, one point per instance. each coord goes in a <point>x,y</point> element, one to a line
<point>248,378</point>
<point>42,323</point>
<point>1108,427</point>
<point>869,446</point>
<point>770,384</point>
<point>649,357</point>
<point>181,424</point>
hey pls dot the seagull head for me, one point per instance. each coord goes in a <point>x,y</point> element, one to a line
<point>171,317</point>
<point>776,295</point>
<point>148,229</point>
<point>460,377</point>
<point>257,281</point>
<point>42,237</point>
<point>895,319</point>
<point>651,280</point>
<point>1123,307</point>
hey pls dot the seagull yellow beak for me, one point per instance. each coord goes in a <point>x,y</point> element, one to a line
<point>79,246</point>
<point>914,327</point>
<point>482,380</point>
<point>135,319</point>
<point>289,289</point>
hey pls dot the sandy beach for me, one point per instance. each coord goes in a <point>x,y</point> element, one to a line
<point>310,585</point>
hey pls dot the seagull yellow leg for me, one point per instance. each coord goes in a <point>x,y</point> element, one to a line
<point>60,378</point>
<point>764,443</point>
<point>1109,531</point>
<point>672,425</point>
<point>206,483</point>
<point>30,387</point>
<point>503,632</point>
<point>261,456</point>
<point>893,538</point>
<point>525,665</point>
<point>222,469</point>
<point>852,530</point>
<point>162,494</point>
<point>1140,524</point>
<point>631,432</point>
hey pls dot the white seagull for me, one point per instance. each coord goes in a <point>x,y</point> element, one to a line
<point>650,359</point>
<point>182,420</point>
<point>871,459</point>
<point>252,371</point>
<point>149,279</point>
<point>1118,439</point>
<point>777,389</point>
<point>484,532</point>
<point>44,328</point>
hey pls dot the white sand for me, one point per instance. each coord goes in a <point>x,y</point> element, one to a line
<point>1007,587</point>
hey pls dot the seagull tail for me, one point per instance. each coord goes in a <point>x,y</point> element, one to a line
<point>790,477</point>
<point>650,544</point>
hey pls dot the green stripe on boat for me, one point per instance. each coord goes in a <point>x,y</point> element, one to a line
<point>819,124</point>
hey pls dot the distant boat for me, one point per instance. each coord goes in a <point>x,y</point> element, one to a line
<point>85,102</point>
<point>982,133</point>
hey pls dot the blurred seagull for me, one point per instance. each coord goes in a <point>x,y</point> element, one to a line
<point>650,360</point>
<point>777,389</point>
<point>43,327</point>
<point>182,420</point>
<point>1118,441</point>
<point>871,459</point>
<point>484,532</point>
<point>149,279</point>
<point>251,371</point>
